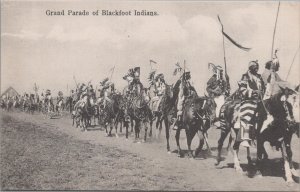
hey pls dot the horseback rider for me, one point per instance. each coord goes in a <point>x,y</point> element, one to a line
<point>48,99</point>
<point>60,96</point>
<point>218,88</point>
<point>252,88</point>
<point>106,90</point>
<point>182,90</point>
<point>133,78</point>
<point>272,80</point>
<point>91,95</point>
<point>159,91</point>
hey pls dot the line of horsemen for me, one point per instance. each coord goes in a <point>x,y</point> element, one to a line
<point>31,102</point>
<point>260,102</point>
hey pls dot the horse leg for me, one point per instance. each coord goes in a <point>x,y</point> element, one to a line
<point>157,124</point>
<point>116,127</point>
<point>250,164</point>
<point>137,129</point>
<point>223,136</point>
<point>287,169</point>
<point>236,160</point>
<point>72,120</point>
<point>177,136</point>
<point>131,124</point>
<point>259,153</point>
<point>167,133</point>
<point>105,125</point>
<point>146,128</point>
<point>205,136</point>
<point>235,152</point>
<point>201,143</point>
<point>151,125</point>
<point>121,126</point>
<point>126,127</point>
<point>190,133</point>
<point>160,127</point>
<point>290,155</point>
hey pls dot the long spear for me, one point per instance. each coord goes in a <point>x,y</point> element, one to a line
<point>224,54</point>
<point>292,64</point>
<point>75,81</point>
<point>275,31</point>
<point>112,72</point>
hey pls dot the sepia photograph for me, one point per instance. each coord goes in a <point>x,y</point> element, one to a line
<point>149,95</point>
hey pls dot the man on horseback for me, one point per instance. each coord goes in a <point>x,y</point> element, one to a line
<point>82,96</point>
<point>48,100</point>
<point>106,90</point>
<point>182,90</point>
<point>133,78</point>
<point>252,89</point>
<point>60,100</point>
<point>60,96</point>
<point>159,91</point>
<point>218,88</point>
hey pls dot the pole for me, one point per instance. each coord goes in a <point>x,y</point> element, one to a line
<point>183,70</point>
<point>275,30</point>
<point>292,64</point>
<point>224,53</point>
<point>75,81</point>
<point>151,66</point>
<point>112,73</point>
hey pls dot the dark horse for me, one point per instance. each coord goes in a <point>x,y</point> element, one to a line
<point>109,113</point>
<point>70,102</point>
<point>280,131</point>
<point>82,114</point>
<point>230,124</point>
<point>195,119</point>
<point>276,129</point>
<point>137,109</point>
<point>164,114</point>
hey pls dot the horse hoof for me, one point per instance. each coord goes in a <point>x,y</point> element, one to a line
<point>290,182</point>
<point>239,170</point>
<point>218,161</point>
<point>295,173</point>
<point>259,175</point>
<point>190,156</point>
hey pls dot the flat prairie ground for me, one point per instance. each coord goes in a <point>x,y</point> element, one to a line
<point>39,153</point>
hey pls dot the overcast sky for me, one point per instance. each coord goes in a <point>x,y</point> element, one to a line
<point>49,50</point>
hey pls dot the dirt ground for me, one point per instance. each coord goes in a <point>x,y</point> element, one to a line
<point>39,153</point>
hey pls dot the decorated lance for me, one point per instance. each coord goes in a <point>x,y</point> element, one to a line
<point>292,63</point>
<point>275,30</point>
<point>224,54</point>
<point>151,61</point>
<point>75,81</point>
<point>35,88</point>
<point>183,70</point>
<point>112,72</point>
